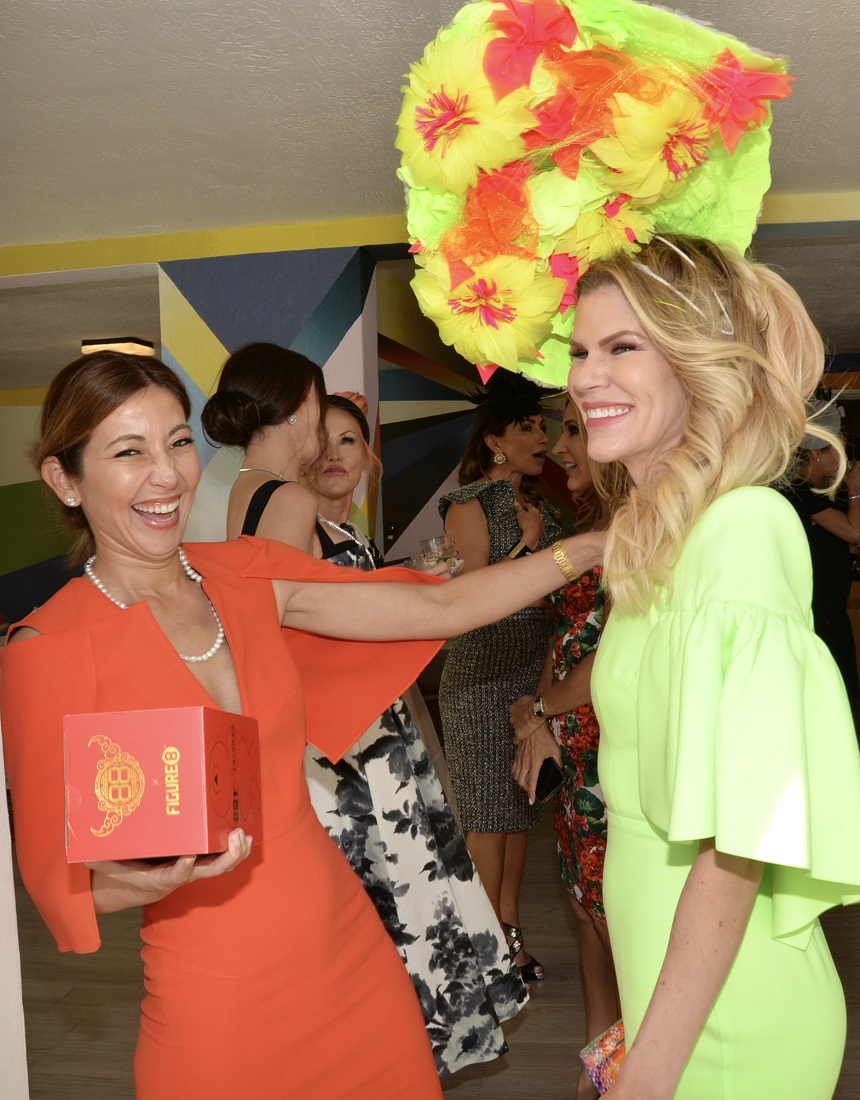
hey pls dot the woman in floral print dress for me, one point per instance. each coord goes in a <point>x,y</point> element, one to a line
<point>570,733</point>
<point>385,807</point>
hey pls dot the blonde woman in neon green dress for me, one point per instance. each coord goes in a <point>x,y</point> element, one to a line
<point>727,757</point>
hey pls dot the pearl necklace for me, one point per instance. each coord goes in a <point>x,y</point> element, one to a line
<point>261,470</point>
<point>192,573</point>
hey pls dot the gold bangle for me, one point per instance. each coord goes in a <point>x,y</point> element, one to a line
<point>563,562</point>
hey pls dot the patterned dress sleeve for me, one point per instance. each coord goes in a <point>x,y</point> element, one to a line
<point>758,747</point>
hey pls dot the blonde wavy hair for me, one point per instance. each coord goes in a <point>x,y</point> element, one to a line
<point>743,347</point>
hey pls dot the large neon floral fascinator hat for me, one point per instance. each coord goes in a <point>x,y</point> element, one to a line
<point>541,135</point>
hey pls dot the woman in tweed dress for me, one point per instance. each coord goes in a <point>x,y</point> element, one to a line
<point>495,514</point>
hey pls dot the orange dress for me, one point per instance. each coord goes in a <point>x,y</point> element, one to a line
<point>277,980</point>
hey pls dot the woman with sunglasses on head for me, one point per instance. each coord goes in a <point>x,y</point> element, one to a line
<point>266,969</point>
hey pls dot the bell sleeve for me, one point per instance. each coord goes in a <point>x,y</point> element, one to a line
<point>758,749</point>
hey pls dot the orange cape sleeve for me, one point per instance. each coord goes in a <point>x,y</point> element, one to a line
<point>43,679</point>
<point>346,683</point>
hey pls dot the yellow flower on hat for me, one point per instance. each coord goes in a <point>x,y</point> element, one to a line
<point>655,145</point>
<point>496,313</point>
<point>614,227</point>
<point>451,127</point>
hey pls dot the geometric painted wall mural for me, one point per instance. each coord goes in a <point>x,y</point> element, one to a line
<point>319,302</point>
<point>340,307</point>
<point>426,419</point>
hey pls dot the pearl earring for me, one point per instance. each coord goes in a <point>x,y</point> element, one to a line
<point>500,458</point>
<point>71,502</point>
<point>292,418</point>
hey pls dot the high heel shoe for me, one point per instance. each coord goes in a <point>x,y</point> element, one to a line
<point>531,971</point>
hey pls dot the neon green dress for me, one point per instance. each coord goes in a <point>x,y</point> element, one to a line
<point>723,715</point>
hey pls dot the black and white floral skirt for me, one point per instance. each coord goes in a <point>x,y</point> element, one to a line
<point>384,805</point>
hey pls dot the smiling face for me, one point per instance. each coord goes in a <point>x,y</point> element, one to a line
<point>572,452</point>
<point>524,446</point>
<point>343,461</point>
<point>631,399</point>
<point>139,471</point>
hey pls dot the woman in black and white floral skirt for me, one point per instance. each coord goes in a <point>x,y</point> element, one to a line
<point>383,803</point>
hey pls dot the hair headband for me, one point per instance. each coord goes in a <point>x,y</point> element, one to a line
<point>338,401</point>
<point>729,328</point>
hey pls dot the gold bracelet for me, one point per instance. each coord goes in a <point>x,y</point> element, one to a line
<point>563,562</point>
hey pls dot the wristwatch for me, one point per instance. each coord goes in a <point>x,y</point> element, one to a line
<point>538,707</point>
<point>520,550</point>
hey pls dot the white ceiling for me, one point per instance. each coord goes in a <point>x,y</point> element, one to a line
<point>141,117</point>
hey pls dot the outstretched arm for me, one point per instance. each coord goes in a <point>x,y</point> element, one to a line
<point>394,611</point>
<point>710,922</point>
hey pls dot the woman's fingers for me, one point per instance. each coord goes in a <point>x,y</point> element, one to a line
<point>238,849</point>
<point>162,878</point>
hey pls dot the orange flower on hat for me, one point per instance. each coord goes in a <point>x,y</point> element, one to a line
<point>528,27</point>
<point>579,113</point>
<point>498,219</point>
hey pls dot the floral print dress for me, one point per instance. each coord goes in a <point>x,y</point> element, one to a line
<point>384,806</point>
<point>577,613</point>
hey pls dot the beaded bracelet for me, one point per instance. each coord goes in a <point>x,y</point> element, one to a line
<point>563,562</point>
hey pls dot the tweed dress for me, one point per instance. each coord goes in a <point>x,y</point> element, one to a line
<point>486,670</point>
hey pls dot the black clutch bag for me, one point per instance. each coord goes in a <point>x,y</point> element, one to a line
<point>550,780</point>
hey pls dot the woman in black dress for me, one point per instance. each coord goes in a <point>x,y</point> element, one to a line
<point>832,525</point>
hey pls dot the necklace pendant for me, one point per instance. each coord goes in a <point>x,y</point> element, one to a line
<point>261,470</point>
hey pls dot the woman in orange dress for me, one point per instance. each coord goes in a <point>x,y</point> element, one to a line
<point>266,968</point>
<point>381,802</point>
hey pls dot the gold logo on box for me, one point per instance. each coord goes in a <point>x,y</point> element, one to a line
<point>119,784</point>
<point>170,756</point>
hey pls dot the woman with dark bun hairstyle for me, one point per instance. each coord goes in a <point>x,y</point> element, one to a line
<point>270,402</point>
<point>382,802</point>
<point>497,514</point>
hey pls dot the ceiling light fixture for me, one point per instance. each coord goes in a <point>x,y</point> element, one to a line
<point>130,345</point>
